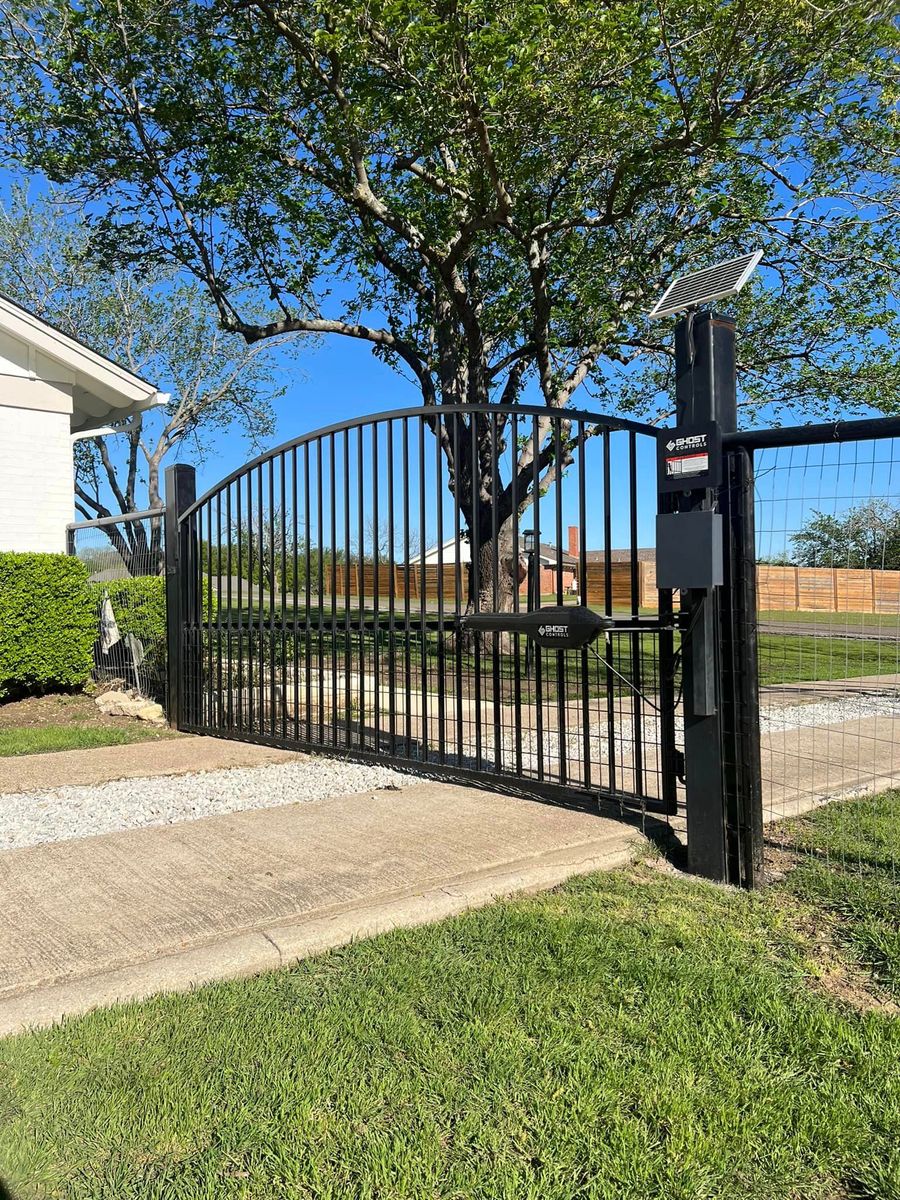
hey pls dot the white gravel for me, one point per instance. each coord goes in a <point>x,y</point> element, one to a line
<point>29,818</point>
<point>778,719</point>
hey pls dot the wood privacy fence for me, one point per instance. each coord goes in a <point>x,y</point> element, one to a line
<point>364,582</point>
<point>620,583</point>
<point>827,589</point>
<point>395,581</point>
<point>781,589</point>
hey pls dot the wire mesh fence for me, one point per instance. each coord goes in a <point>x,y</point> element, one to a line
<point>828,595</point>
<point>125,558</point>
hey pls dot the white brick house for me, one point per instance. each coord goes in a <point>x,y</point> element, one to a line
<point>51,387</point>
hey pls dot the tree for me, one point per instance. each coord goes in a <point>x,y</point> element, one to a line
<point>159,326</point>
<point>866,537</point>
<point>491,194</point>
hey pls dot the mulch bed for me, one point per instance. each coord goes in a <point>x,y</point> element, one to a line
<point>77,709</point>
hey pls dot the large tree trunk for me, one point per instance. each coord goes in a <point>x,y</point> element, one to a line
<point>499,577</point>
<point>493,587</point>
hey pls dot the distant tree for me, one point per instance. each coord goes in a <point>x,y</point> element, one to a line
<point>867,536</point>
<point>156,324</point>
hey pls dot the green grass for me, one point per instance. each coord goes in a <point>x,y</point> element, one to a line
<point>877,622</point>
<point>850,865</point>
<point>41,739</point>
<point>787,658</point>
<point>629,1036</point>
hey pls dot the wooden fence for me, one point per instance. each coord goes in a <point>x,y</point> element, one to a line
<point>363,582</point>
<point>779,589</point>
<point>620,580</point>
<point>827,589</point>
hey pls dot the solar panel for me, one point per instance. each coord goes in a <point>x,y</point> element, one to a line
<point>712,283</point>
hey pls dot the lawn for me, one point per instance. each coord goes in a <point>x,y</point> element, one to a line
<point>789,658</point>
<point>42,739</point>
<point>849,865</point>
<point>39,724</point>
<point>876,622</point>
<point>629,1036</point>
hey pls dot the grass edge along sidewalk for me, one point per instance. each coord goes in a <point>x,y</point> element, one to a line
<point>629,1035</point>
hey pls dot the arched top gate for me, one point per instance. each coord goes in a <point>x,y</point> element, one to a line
<point>324,588</point>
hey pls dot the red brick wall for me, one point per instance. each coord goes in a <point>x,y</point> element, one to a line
<point>548,581</point>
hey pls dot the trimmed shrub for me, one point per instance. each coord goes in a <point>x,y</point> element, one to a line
<point>48,623</point>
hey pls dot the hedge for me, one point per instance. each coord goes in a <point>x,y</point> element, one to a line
<point>48,623</point>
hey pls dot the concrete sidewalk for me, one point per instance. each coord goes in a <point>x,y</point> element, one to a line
<point>138,760</point>
<point>125,915</point>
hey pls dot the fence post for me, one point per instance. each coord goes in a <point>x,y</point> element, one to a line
<point>689,560</point>
<point>740,677</point>
<point>181,492</point>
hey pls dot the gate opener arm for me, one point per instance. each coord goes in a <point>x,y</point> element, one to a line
<point>561,627</point>
<point>564,627</point>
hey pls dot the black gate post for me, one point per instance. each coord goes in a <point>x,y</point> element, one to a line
<point>180,492</point>
<point>706,394</point>
<point>689,559</point>
<point>706,549</point>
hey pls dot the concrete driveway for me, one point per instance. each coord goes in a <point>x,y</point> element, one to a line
<point>123,915</point>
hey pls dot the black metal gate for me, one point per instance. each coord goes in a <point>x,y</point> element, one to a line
<point>322,591</point>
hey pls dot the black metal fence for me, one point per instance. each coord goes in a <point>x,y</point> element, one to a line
<point>828,625</point>
<point>323,586</point>
<point>125,557</point>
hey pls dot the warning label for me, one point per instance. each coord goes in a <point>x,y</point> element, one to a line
<point>687,464</point>
<point>689,458</point>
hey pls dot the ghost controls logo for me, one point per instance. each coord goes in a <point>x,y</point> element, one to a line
<point>553,630</point>
<point>696,442</point>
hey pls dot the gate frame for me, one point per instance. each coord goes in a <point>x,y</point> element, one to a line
<point>185,606</point>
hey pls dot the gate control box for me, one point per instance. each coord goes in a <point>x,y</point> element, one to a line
<point>689,550</point>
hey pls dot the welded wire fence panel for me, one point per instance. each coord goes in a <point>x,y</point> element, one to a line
<point>828,595</point>
<point>327,581</point>
<point>125,558</point>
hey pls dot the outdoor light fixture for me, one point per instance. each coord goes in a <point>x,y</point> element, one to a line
<point>529,541</point>
<point>702,287</point>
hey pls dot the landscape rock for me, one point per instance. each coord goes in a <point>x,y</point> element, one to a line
<point>124,704</point>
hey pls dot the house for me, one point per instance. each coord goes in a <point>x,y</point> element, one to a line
<point>53,389</point>
<point>548,558</point>
<point>645,554</point>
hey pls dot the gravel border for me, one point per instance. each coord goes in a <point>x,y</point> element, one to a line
<point>32,818</point>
